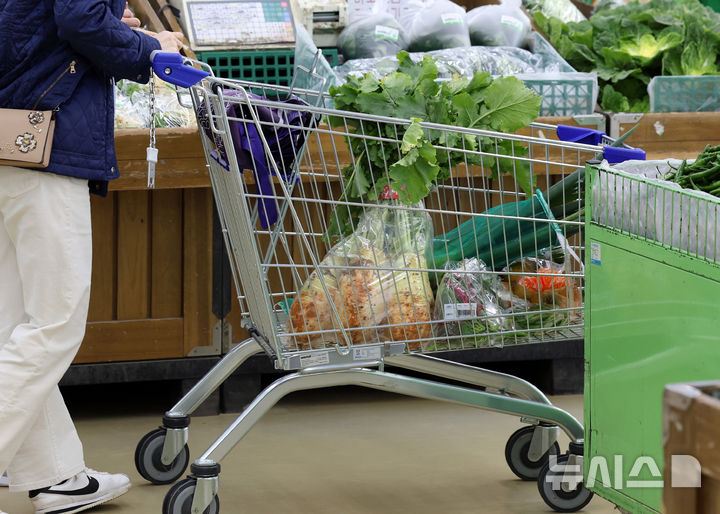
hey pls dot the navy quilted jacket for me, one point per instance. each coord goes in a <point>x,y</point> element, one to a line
<point>64,54</point>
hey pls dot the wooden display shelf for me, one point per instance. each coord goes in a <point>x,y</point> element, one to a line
<point>680,135</point>
<point>151,293</point>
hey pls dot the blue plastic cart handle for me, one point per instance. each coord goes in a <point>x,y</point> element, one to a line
<point>579,135</point>
<point>171,68</point>
<point>615,155</point>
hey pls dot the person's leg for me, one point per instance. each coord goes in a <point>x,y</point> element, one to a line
<point>45,223</point>
<point>51,452</point>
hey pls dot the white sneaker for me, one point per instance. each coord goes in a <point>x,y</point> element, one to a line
<point>81,492</point>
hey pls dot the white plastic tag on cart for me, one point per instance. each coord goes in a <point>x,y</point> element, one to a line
<point>152,157</point>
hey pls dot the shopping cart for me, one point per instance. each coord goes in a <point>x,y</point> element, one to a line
<point>337,313</point>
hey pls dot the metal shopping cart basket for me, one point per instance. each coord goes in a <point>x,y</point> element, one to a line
<point>336,288</point>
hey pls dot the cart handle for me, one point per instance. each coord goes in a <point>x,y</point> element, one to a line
<point>613,154</point>
<point>171,67</point>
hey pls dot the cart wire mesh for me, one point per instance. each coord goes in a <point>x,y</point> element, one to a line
<point>478,262</point>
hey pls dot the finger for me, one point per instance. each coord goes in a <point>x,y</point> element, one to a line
<point>148,32</point>
<point>178,35</point>
<point>127,13</point>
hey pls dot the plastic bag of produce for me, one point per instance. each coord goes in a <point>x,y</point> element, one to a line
<point>435,25</point>
<point>563,9</point>
<point>126,114</point>
<point>377,291</point>
<point>499,25</point>
<point>467,308</point>
<point>455,61</point>
<point>540,295</point>
<point>374,35</point>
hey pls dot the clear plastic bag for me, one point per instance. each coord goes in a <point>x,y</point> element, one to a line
<point>319,75</point>
<point>467,308</point>
<point>456,61</point>
<point>376,35</point>
<point>132,106</point>
<point>377,292</point>
<point>540,295</point>
<point>499,25</point>
<point>434,25</point>
<point>127,116</point>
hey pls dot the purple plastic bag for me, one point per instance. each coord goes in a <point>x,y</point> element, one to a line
<point>285,142</point>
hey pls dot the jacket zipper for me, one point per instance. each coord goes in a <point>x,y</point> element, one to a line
<point>70,68</point>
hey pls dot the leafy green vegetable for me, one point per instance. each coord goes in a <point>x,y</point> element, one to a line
<point>425,156</point>
<point>630,44</point>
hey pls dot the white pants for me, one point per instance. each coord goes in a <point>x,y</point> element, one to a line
<point>45,264</point>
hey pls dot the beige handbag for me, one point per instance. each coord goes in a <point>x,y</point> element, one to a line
<point>26,137</point>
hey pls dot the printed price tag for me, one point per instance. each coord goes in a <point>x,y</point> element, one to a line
<point>459,310</point>
<point>387,32</point>
<point>451,18</point>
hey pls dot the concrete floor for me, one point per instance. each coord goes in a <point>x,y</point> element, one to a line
<point>342,451</point>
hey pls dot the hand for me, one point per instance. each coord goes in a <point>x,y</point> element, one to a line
<point>169,41</point>
<point>129,18</point>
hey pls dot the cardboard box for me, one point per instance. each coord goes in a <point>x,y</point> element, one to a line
<point>691,441</point>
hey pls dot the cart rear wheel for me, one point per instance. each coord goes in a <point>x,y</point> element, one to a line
<point>517,454</point>
<point>148,460</point>
<point>179,499</point>
<point>550,487</point>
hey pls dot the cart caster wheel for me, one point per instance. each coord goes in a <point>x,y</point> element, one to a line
<point>179,499</point>
<point>550,487</point>
<point>517,456</point>
<point>148,459</point>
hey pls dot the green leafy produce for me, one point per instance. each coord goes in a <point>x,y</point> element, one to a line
<point>426,156</point>
<point>630,44</point>
<point>702,175</point>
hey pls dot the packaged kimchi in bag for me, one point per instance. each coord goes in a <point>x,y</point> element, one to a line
<point>375,281</point>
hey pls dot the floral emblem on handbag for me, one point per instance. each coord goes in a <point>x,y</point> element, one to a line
<point>36,117</point>
<point>26,142</point>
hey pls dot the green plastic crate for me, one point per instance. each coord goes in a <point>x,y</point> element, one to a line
<point>264,66</point>
<point>685,93</point>
<point>569,96</point>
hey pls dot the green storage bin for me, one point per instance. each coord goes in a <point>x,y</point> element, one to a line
<point>264,66</point>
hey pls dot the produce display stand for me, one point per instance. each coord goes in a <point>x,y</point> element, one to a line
<point>151,295</point>
<point>680,135</point>
<point>651,319</point>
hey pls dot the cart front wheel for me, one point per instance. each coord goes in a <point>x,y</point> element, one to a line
<point>570,496</point>
<point>179,499</point>
<point>148,459</point>
<point>517,454</point>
